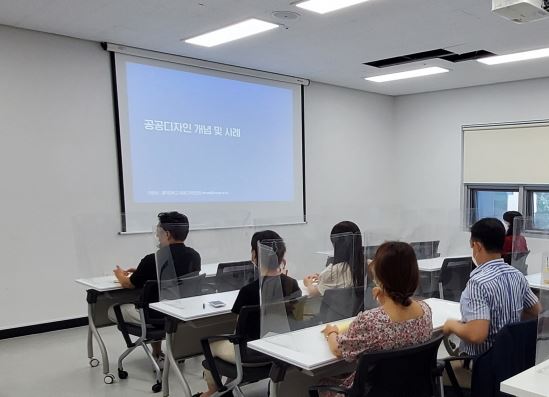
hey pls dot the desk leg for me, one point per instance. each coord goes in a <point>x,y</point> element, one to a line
<point>273,389</point>
<point>166,373</point>
<point>109,378</point>
<point>172,366</point>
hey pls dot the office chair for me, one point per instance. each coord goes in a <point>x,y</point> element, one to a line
<point>426,249</point>
<point>517,260</point>
<point>151,327</point>
<point>370,251</point>
<point>234,275</point>
<point>454,274</point>
<point>513,351</point>
<point>340,303</point>
<point>249,366</point>
<point>409,372</point>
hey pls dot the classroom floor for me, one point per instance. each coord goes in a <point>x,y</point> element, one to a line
<point>55,364</point>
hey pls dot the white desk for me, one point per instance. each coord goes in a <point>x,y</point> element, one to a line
<point>533,382</point>
<point>535,282</point>
<point>435,264</point>
<point>101,283</point>
<point>307,349</point>
<point>110,283</point>
<point>197,307</point>
<point>102,292</point>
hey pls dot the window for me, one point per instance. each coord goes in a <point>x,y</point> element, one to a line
<point>494,200</point>
<point>504,168</point>
<point>538,208</point>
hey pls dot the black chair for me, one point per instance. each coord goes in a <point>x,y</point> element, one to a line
<point>409,372</point>
<point>249,365</point>
<point>340,303</point>
<point>518,261</point>
<point>513,351</point>
<point>370,251</point>
<point>426,249</point>
<point>234,275</point>
<point>151,327</point>
<point>454,274</point>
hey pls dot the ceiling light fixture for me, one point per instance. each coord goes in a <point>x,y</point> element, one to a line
<point>518,56</point>
<point>325,6</point>
<point>407,75</point>
<point>237,31</point>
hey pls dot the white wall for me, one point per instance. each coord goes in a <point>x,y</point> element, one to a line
<point>58,167</point>
<point>428,135</point>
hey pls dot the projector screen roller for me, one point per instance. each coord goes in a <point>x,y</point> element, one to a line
<point>223,148</point>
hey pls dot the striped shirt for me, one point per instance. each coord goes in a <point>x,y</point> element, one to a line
<point>496,292</point>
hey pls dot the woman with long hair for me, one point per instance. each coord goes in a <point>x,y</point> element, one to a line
<point>347,267</point>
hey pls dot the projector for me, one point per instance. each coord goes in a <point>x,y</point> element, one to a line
<point>521,11</point>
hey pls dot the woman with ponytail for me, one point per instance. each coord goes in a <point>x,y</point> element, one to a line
<point>398,322</point>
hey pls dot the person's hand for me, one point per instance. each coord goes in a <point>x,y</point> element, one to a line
<point>119,272</point>
<point>329,329</point>
<point>447,328</point>
<point>309,280</point>
<point>130,270</point>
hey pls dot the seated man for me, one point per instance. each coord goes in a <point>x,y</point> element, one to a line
<point>172,230</point>
<point>496,294</point>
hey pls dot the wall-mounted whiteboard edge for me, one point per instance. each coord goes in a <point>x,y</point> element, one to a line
<point>122,49</point>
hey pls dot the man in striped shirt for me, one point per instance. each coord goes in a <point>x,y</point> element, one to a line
<point>496,294</point>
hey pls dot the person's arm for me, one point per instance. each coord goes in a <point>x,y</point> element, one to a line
<point>330,333</point>
<point>123,278</point>
<point>473,332</point>
<point>531,304</point>
<point>475,325</point>
<point>531,312</point>
<point>310,284</point>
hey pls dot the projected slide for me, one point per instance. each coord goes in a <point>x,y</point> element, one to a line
<point>199,138</point>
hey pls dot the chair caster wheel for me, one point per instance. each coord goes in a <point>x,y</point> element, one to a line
<point>122,374</point>
<point>108,379</point>
<point>94,362</point>
<point>157,387</point>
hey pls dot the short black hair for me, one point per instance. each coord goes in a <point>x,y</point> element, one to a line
<point>490,232</point>
<point>272,240</point>
<point>175,223</point>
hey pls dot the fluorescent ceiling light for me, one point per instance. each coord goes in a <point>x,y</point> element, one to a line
<point>519,56</point>
<point>237,31</point>
<point>407,75</point>
<point>324,6</point>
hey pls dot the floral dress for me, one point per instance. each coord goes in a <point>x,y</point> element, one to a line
<point>373,330</point>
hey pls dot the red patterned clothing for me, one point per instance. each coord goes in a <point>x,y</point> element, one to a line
<point>373,330</point>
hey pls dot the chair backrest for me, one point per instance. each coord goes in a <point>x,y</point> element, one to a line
<point>425,249</point>
<point>406,372</point>
<point>454,274</point>
<point>341,303</point>
<point>370,251</point>
<point>518,261</point>
<point>234,275</point>
<point>513,351</point>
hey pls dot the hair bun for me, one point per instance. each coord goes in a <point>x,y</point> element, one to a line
<point>402,299</point>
